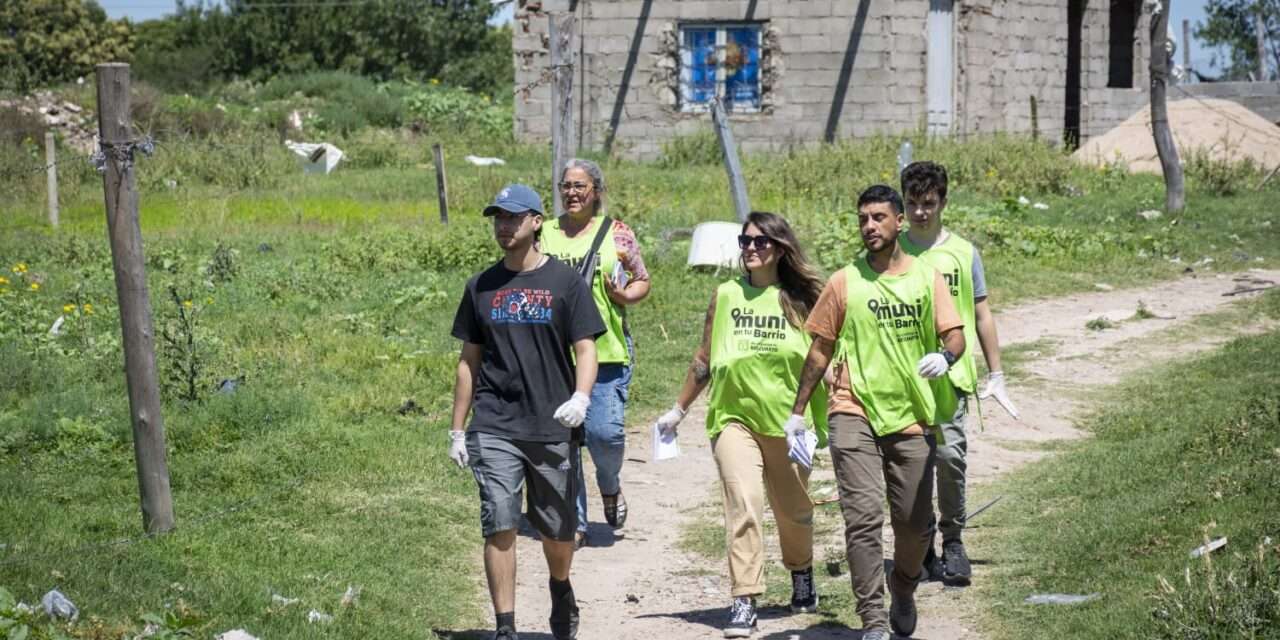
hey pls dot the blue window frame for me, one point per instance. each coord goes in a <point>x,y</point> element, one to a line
<point>720,59</point>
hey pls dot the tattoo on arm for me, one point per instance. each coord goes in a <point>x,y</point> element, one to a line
<point>815,366</point>
<point>700,371</point>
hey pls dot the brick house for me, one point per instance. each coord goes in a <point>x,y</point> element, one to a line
<point>801,71</point>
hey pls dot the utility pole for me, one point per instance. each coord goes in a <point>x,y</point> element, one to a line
<point>729,151</point>
<point>51,176</point>
<point>562,128</point>
<point>115,130</point>
<point>1174,198</point>
<point>1260,29</point>
<point>442,187</point>
<point>1186,49</point>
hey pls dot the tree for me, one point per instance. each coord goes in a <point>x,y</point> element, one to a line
<point>1231,24</point>
<point>45,41</point>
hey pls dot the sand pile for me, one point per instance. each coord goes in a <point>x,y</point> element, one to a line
<point>1226,129</point>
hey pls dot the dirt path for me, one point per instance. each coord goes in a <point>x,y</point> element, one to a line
<point>636,584</point>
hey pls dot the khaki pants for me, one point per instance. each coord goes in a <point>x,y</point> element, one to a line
<point>749,465</point>
<point>867,465</point>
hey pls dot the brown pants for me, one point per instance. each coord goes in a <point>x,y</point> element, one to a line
<point>865,466</point>
<point>749,465</point>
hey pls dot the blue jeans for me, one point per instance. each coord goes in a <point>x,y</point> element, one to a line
<point>605,438</point>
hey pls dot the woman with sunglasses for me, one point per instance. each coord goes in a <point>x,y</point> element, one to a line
<point>752,352</point>
<point>616,274</point>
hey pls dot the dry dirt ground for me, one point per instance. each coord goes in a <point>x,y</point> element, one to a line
<point>637,584</point>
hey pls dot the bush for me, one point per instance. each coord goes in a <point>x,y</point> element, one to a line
<point>693,150</point>
<point>450,109</point>
<point>342,102</point>
<point>1220,176</point>
<point>1239,599</point>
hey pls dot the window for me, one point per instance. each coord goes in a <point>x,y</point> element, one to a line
<point>1123,25</point>
<point>720,59</point>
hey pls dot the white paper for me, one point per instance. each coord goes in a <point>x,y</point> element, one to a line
<point>665,446</point>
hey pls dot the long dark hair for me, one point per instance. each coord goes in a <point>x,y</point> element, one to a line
<point>798,281</point>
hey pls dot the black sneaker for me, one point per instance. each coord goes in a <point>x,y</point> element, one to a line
<point>564,616</point>
<point>804,594</point>
<point>932,565</point>
<point>902,615</point>
<point>955,564</point>
<point>742,618</point>
<point>505,633</point>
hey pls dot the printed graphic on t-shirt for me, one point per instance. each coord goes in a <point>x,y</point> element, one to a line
<point>901,320</point>
<point>758,332</point>
<point>522,306</point>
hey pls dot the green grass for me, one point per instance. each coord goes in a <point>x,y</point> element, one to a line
<point>1185,453</point>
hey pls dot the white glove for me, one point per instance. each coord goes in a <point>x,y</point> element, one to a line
<point>458,448</point>
<point>798,447</point>
<point>932,365</point>
<point>995,387</point>
<point>669,421</point>
<point>574,410</point>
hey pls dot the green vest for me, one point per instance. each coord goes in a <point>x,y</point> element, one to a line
<point>756,360</point>
<point>953,258</point>
<point>888,327</point>
<point>612,346</point>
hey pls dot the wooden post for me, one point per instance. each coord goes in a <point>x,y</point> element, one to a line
<point>1035,119</point>
<point>442,188</point>
<point>1174,198</point>
<point>51,170</point>
<point>562,129</point>
<point>120,188</point>
<point>729,151</point>
<point>1260,30</point>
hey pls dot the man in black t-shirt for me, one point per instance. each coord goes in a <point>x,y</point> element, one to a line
<point>517,321</point>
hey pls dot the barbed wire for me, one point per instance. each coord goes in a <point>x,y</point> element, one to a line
<point>193,523</point>
<point>1224,114</point>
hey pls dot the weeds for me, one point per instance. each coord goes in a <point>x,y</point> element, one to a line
<point>1100,323</point>
<point>1235,598</point>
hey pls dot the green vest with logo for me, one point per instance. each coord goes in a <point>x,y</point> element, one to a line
<point>953,258</point>
<point>611,348</point>
<point>756,361</point>
<point>888,327</point>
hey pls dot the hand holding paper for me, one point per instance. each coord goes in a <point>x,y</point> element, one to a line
<point>801,442</point>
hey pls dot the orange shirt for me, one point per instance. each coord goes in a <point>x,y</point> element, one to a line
<point>826,320</point>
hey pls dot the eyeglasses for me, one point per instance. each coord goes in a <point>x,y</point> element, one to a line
<point>575,187</point>
<point>760,242</point>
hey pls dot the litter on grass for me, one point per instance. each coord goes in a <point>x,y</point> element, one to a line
<point>1208,547</point>
<point>1061,598</point>
<point>56,605</point>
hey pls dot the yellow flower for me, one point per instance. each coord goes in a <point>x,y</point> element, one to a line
<point>186,304</point>
<point>21,267</point>
<point>435,81</point>
<point>88,308</point>
<point>208,300</point>
<point>35,286</point>
<point>68,308</point>
<point>4,280</point>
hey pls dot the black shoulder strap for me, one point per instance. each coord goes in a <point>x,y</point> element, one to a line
<point>588,267</point>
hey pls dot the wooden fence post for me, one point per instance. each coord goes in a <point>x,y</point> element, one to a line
<point>737,185</point>
<point>442,188</point>
<point>51,170</point>
<point>562,128</point>
<point>120,188</point>
<point>1174,197</point>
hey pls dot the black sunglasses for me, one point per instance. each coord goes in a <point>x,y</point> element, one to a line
<point>761,242</point>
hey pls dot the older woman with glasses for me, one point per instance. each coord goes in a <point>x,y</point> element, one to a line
<point>752,352</point>
<point>605,252</point>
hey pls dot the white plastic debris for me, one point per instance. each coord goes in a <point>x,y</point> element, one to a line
<point>1102,286</point>
<point>1022,200</point>
<point>351,595</point>
<point>1041,206</point>
<point>316,157</point>
<point>1150,214</point>
<point>715,244</point>
<point>316,616</point>
<point>1061,598</point>
<point>283,601</point>
<point>481,161</point>
<point>56,605</point>
<point>56,329</point>
<point>1208,547</point>
<point>236,634</point>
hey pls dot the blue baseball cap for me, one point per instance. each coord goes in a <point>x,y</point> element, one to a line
<point>515,198</point>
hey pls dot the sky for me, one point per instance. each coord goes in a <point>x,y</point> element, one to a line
<point>1192,10</point>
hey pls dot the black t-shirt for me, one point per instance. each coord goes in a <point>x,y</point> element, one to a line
<point>527,323</point>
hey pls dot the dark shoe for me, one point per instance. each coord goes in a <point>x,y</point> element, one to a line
<point>902,614</point>
<point>564,616</point>
<point>505,633</point>
<point>742,618</point>
<point>932,566</point>
<point>615,510</point>
<point>875,634</point>
<point>804,594</point>
<point>955,564</point>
